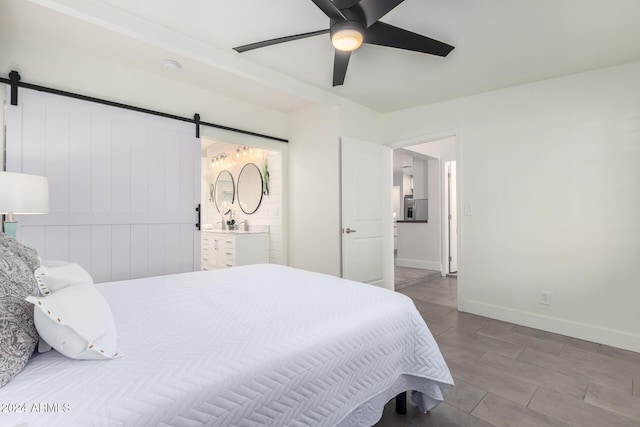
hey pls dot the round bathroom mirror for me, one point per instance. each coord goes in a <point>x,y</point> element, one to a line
<point>250,188</point>
<point>224,190</point>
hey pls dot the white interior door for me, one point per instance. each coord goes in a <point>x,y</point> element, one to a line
<point>367,226</point>
<point>123,186</point>
<point>453,219</point>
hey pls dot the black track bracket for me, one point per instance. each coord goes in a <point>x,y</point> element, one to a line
<point>14,81</point>
<point>196,120</point>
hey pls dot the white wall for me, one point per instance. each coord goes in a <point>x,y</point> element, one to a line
<point>361,123</point>
<point>314,180</point>
<point>552,170</point>
<point>420,179</point>
<point>443,149</point>
<point>314,189</point>
<point>416,247</point>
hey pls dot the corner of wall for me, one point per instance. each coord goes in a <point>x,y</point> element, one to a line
<point>361,123</point>
<point>314,189</point>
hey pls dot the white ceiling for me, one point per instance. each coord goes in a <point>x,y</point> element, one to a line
<point>401,159</point>
<point>499,43</point>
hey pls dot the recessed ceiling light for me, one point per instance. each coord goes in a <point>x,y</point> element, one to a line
<point>172,65</point>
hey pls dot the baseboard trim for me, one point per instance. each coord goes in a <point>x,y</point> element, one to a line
<point>416,263</point>
<point>569,328</point>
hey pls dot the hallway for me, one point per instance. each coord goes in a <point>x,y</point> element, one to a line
<point>405,276</point>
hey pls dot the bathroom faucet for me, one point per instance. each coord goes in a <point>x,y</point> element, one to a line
<point>223,224</point>
<point>246,225</point>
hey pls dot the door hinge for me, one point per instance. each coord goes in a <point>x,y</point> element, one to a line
<point>450,259</point>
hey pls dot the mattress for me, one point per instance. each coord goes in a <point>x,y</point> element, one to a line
<point>259,345</point>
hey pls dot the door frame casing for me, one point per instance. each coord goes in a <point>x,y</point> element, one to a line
<point>446,219</point>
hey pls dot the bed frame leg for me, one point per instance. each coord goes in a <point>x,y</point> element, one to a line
<point>401,403</point>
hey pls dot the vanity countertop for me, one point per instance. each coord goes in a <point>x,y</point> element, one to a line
<point>255,229</point>
<point>235,231</point>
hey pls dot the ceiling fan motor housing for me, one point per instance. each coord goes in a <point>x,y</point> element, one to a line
<point>346,25</point>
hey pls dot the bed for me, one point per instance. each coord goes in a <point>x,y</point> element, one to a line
<point>259,345</point>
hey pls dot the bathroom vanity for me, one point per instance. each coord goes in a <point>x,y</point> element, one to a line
<point>228,248</point>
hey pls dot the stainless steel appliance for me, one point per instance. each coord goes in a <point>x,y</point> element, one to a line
<point>416,209</point>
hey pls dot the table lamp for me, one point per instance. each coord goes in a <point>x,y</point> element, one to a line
<point>22,193</point>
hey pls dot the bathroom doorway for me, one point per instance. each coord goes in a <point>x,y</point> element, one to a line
<point>231,161</point>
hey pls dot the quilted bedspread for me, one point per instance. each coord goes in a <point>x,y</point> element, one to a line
<point>259,345</point>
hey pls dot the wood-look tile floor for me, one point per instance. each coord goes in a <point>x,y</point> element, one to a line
<point>510,375</point>
<point>405,276</point>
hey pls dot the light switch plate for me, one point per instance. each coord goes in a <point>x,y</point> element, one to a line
<point>468,209</point>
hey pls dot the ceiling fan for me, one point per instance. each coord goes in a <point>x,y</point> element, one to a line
<point>353,22</point>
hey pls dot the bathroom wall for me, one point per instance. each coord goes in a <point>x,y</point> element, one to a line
<point>270,211</point>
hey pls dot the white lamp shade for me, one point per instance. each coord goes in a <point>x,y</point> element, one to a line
<point>21,193</point>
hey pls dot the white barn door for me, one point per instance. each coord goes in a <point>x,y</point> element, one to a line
<point>123,186</point>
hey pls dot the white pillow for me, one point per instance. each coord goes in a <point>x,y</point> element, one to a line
<point>55,275</point>
<point>76,321</point>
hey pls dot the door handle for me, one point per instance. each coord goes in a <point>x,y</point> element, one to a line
<point>348,230</point>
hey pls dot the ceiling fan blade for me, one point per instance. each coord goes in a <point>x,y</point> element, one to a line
<point>375,9</point>
<point>340,64</point>
<point>266,43</point>
<point>387,35</point>
<point>345,4</point>
<point>330,9</point>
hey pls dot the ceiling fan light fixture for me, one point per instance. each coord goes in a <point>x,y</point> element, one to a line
<point>347,40</point>
<point>347,36</point>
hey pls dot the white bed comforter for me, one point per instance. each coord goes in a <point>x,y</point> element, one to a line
<point>247,346</point>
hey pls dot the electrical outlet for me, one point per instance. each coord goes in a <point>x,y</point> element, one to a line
<point>468,209</point>
<point>545,297</point>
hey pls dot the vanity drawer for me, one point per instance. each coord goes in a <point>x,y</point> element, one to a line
<point>228,253</point>
<point>222,250</point>
<point>208,263</point>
